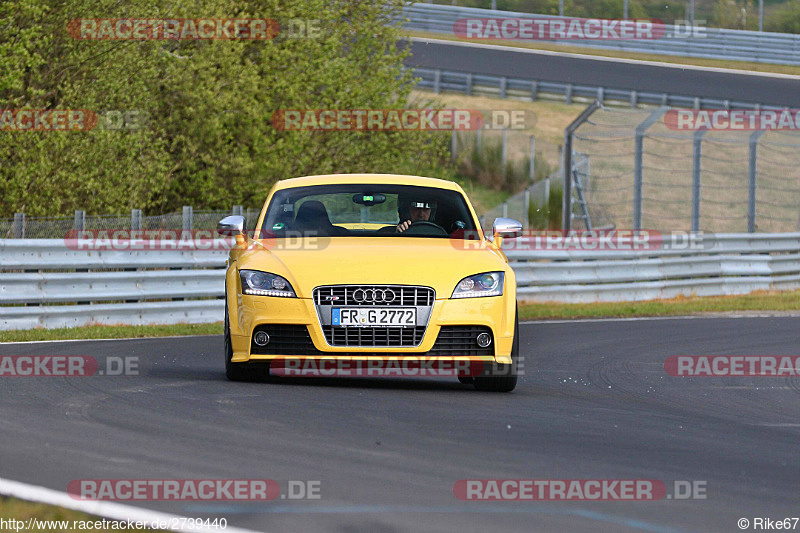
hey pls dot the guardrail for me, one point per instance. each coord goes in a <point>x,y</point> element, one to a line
<point>711,43</point>
<point>471,84</point>
<point>174,286</point>
<point>123,287</point>
<point>718,265</point>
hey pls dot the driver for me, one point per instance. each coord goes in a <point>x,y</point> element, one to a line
<point>416,210</point>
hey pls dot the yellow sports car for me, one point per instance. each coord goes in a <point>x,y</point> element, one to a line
<point>371,268</point>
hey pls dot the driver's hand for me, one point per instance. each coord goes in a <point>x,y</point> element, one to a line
<point>401,227</point>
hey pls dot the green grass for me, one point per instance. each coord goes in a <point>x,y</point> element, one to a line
<point>12,508</point>
<point>110,332</point>
<point>757,301</point>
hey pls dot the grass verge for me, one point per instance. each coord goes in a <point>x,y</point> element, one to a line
<point>20,510</point>
<point>110,332</point>
<point>757,301</point>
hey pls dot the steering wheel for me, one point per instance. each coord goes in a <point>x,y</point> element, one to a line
<point>427,228</point>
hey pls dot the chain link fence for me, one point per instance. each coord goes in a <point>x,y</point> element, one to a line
<point>22,226</point>
<point>646,175</point>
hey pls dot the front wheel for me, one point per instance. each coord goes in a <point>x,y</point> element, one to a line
<point>500,377</point>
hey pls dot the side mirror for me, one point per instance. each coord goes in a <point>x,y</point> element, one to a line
<point>507,228</point>
<point>232,225</point>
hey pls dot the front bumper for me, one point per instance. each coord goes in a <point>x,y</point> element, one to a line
<point>495,313</point>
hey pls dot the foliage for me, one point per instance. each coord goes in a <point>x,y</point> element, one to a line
<point>208,141</point>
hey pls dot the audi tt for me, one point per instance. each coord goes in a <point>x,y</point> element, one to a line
<point>368,267</point>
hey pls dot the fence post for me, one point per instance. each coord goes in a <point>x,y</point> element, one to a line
<point>237,210</point>
<point>453,145</point>
<point>479,133</point>
<point>566,198</point>
<point>697,155</point>
<point>505,209</point>
<point>19,225</point>
<point>641,129</point>
<point>136,219</point>
<point>80,220</point>
<point>532,168</point>
<point>187,217</point>
<point>751,184</point>
<point>526,208</point>
<point>505,153</point>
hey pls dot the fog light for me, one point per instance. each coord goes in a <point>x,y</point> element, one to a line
<point>483,340</point>
<point>261,338</point>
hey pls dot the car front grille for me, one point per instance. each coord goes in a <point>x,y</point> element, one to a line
<point>327,298</point>
<point>371,295</point>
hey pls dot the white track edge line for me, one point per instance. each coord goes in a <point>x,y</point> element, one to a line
<point>608,59</point>
<point>644,318</point>
<point>113,511</point>
<point>112,339</point>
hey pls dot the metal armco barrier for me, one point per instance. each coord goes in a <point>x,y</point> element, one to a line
<point>173,286</point>
<point>711,43</point>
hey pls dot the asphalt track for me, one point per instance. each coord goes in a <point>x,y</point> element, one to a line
<point>594,403</point>
<point>566,68</point>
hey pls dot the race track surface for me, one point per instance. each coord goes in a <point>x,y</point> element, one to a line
<point>595,403</point>
<point>515,63</point>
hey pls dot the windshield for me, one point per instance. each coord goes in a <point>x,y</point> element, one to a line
<point>368,210</point>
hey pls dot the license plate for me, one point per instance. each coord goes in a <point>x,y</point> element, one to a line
<point>374,316</point>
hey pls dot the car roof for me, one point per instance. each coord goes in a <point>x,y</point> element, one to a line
<point>393,179</point>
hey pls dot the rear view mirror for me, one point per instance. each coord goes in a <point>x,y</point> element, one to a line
<point>232,225</point>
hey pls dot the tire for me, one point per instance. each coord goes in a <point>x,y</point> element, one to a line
<point>502,378</point>
<point>234,371</point>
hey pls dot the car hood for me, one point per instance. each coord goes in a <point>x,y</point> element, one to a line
<point>437,263</point>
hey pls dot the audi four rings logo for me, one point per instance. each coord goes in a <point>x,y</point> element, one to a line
<point>375,296</point>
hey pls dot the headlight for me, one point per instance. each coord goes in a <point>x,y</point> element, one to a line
<point>265,284</point>
<point>487,284</point>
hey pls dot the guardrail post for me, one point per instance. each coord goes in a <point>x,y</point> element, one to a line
<point>187,217</point>
<point>534,90</point>
<point>751,183</point>
<point>697,155</point>
<point>437,81</point>
<point>697,102</point>
<point>641,129</point>
<point>19,225</point>
<point>664,99</point>
<point>80,220</point>
<point>568,94</point>
<point>469,84</point>
<point>634,99</point>
<point>566,197</point>
<point>532,167</point>
<point>503,86</point>
<point>600,95</point>
<point>136,219</point>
